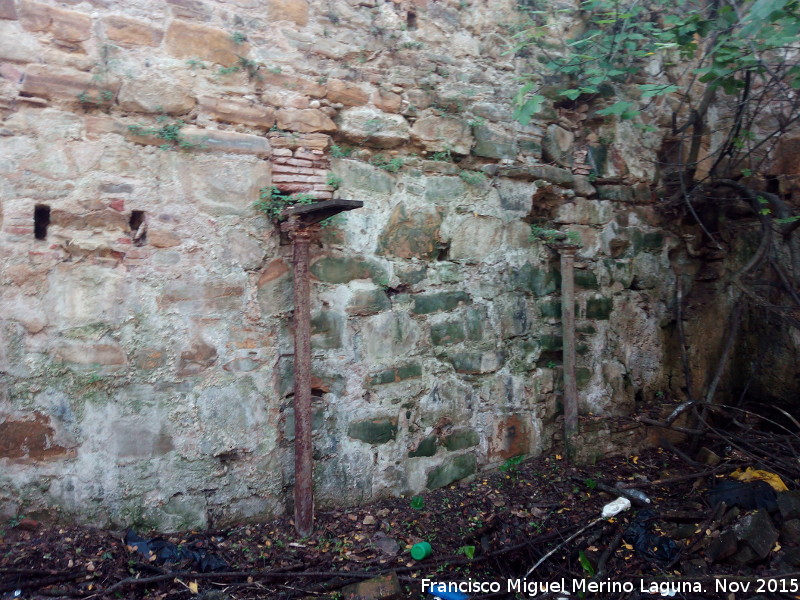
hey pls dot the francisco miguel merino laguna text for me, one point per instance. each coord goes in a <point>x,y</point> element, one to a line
<point>534,588</point>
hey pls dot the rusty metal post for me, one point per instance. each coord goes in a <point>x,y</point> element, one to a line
<point>303,467</point>
<point>567,252</point>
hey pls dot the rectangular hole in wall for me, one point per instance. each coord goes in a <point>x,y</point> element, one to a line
<point>41,220</point>
<point>138,230</point>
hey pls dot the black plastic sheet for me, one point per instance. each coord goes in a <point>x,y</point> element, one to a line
<point>651,546</point>
<point>167,552</point>
<point>744,494</point>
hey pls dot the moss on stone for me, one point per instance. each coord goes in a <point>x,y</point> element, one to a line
<point>461,439</point>
<point>426,447</point>
<point>599,308</point>
<point>373,431</point>
<point>454,469</point>
<point>441,302</point>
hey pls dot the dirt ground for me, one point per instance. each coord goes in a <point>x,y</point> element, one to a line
<point>490,530</point>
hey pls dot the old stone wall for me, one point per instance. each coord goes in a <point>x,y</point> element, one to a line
<point>145,318</point>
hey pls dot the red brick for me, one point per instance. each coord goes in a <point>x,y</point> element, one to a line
<point>29,438</point>
<point>309,140</point>
<point>303,153</point>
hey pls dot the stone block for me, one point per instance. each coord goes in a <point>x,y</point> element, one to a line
<point>756,535</point>
<point>411,233</point>
<point>190,9</point>
<point>361,177</point>
<point>455,468</point>
<point>550,309</point>
<point>108,354</point>
<point>582,376</point>
<point>789,505</point>
<point>492,142</point>
<point>369,126</point>
<point>373,431</point>
<point>295,11</point>
<point>385,587</point>
<point>460,439</point>
<point>427,447</point>
<point>16,46</point>
<point>599,308</point>
<point>447,333</point>
<point>326,330</point>
<point>548,173</point>
<point>343,92</point>
<point>128,32</point>
<point>148,359</point>
<point>296,83</point>
<point>615,193</point>
<point>475,238</point>
<point>29,438</point>
<point>585,212</point>
<point>396,374</point>
<point>368,302</point>
<point>438,134</point>
<point>412,275</point>
<point>585,279</point>
<point>333,269</point>
<point>243,112</point>
<point>190,40</point>
<point>7,10</point>
<point>65,25</point>
<point>304,120</point>
<point>212,140</point>
<point>162,238</point>
<point>155,94</point>
<point>439,302</point>
<point>387,101</point>
<point>220,184</point>
<point>201,296</point>
<point>197,358</point>
<point>510,438</point>
<point>550,343</point>
<point>539,282</point>
<point>557,145</point>
<point>444,189</point>
<point>51,82</point>
<point>477,362</point>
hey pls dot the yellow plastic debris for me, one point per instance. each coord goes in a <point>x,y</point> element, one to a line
<point>750,474</point>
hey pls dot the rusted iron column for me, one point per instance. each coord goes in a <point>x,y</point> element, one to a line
<point>300,235</point>
<point>301,224</point>
<point>567,252</point>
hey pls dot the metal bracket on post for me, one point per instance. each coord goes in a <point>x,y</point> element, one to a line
<point>300,223</point>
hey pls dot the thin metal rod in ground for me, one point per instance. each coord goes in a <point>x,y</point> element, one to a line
<point>562,544</point>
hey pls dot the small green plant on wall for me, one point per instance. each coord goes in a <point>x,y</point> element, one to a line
<point>272,201</point>
<point>472,177</point>
<point>169,133</point>
<point>382,162</point>
<point>550,236</point>
<point>334,181</point>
